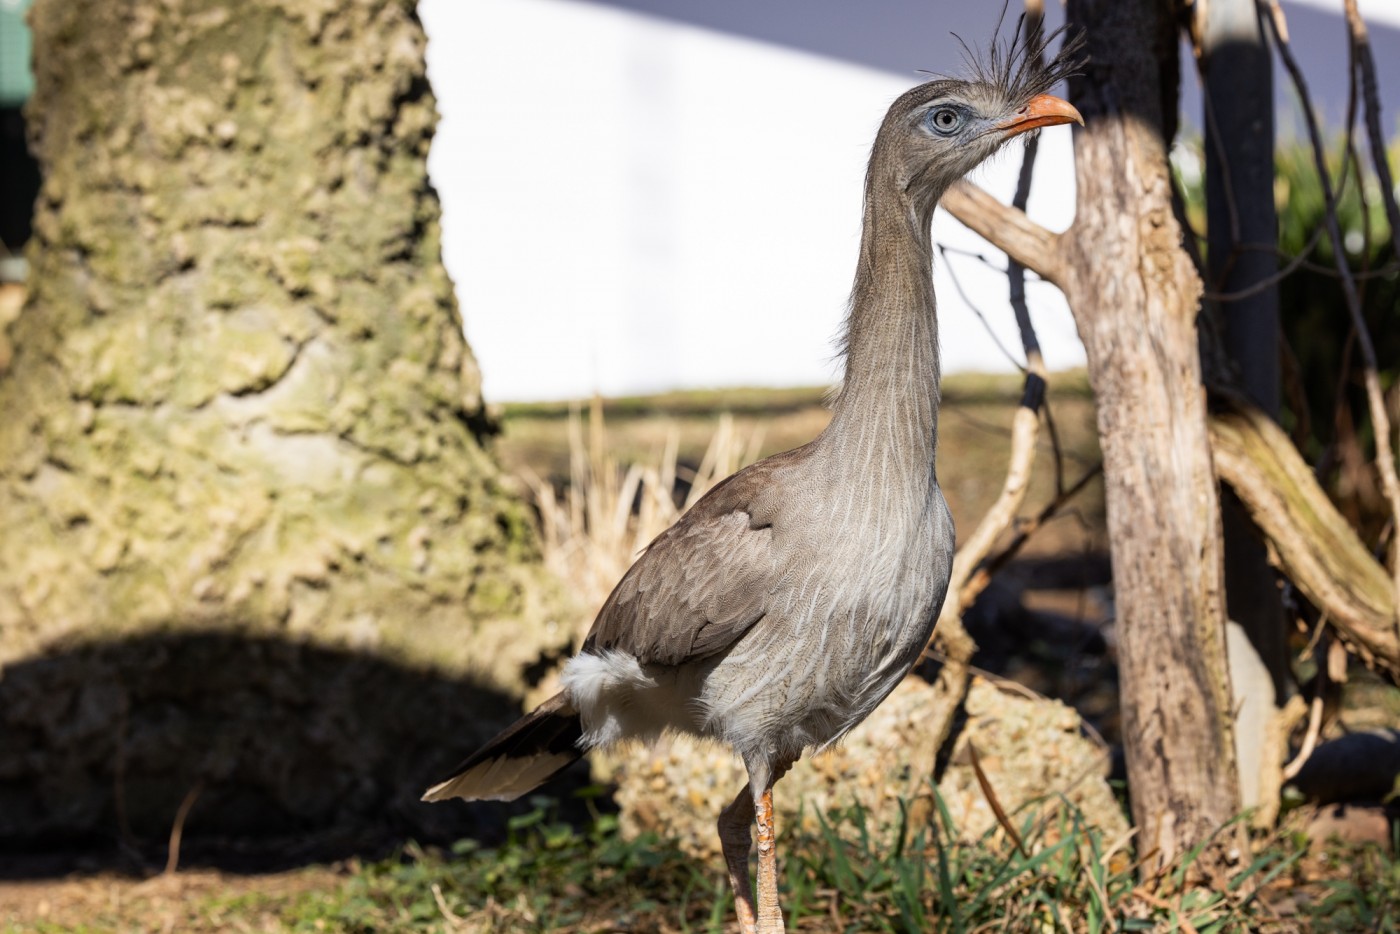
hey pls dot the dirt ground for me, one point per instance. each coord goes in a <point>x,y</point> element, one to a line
<point>189,900</point>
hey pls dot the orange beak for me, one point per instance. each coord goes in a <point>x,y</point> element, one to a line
<point>1042,110</point>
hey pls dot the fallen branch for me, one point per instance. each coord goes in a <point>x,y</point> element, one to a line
<point>1310,541</point>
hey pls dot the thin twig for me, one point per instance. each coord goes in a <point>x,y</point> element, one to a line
<point>1301,260</point>
<point>177,830</point>
<point>981,257</point>
<point>454,921</point>
<point>1028,528</point>
<point>994,803</point>
<point>1364,62</point>
<point>1380,418</point>
<point>967,300</point>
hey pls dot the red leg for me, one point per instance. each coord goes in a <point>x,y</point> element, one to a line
<point>770,913</point>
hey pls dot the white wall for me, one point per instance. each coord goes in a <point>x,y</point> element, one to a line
<point>634,205</point>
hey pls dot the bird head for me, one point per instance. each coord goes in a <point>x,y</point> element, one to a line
<point>937,132</point>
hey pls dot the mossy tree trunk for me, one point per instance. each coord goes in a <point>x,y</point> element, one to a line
<point>240,398</point>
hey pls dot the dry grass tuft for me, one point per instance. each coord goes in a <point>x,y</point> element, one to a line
<point>596,526</point>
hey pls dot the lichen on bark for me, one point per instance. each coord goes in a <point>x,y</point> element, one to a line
<point>240,388</point>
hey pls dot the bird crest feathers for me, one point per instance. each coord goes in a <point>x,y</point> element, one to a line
<point>1019,64</point>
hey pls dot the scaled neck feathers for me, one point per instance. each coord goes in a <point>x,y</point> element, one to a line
<point>890,393</point>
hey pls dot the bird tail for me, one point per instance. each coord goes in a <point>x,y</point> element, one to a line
<point>524,756</point>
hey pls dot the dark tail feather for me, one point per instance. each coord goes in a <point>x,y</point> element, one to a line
<point>527,754</point>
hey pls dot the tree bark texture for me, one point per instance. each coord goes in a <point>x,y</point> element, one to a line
<point>1135,295</point>
<point>240,400</point>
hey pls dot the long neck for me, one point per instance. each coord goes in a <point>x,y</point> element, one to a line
<point>888,405</point>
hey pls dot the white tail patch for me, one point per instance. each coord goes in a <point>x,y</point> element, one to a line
<point>619,700</point>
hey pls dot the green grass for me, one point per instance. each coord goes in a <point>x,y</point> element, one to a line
<point>547,876</point>
<point>843,877</point>
<point>838,875</point>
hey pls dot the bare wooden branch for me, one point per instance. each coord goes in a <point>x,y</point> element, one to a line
<point>1025,425</point>
<point>1310,540</point>
<point>1008,229</point>
<point>943,251</point>
<point>1028,527</point>
<point>1136,299</point>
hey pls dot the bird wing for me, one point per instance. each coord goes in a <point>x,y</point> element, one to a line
<point>704,582</point>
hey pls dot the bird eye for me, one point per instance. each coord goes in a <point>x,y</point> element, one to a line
<point>944,120</point>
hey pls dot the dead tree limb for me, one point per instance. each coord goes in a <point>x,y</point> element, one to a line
<point>1008,229</point>
<point>1310,541</point>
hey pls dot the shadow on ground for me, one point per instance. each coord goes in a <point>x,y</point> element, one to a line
<point>287,753</point>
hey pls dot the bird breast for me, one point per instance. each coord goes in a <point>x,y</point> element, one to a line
<point>847,620</point>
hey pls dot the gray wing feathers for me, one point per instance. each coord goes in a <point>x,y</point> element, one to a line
<point>700,585</point>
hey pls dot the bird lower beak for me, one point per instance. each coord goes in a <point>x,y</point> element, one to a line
<point>1042,110</point>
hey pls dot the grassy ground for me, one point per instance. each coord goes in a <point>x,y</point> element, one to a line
<point>552,877</point>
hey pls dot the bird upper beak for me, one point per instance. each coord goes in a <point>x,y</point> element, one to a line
<point>1042,110</point>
